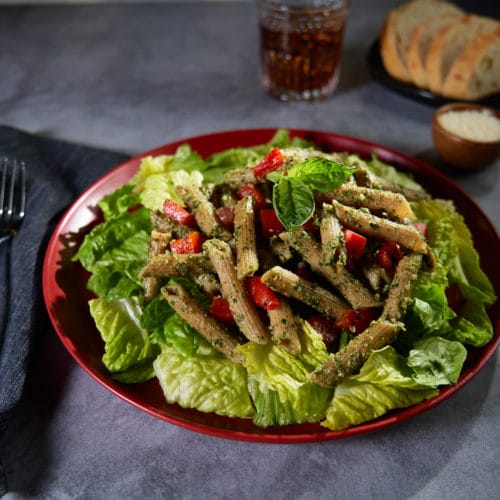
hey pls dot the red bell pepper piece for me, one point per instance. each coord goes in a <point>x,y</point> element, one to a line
<point>347,319</point>
<point>355,244</point>
<point>356,320</point>
<point>259,199</point>
<point>309,226</point>
<point>271,162</point>
<point>219,308</point>
<point>389,255</point>
<point>177,213</point>
<point>261,294</point>
<point>271,225</point>
<point>191,243</point>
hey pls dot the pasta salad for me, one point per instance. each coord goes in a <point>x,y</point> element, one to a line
<point>284,284</point>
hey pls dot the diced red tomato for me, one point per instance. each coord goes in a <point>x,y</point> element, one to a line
<point>357,320</point>
<point>271,162</point>
<point>177,213</point>
<point>302,271</point>
<point>355,244</point>
<point>309,226</point>
<point>226,217</point>
<point>191,243</point>
<point>389,255</point>
<point>271,225</point>
<point>422,227</point>
<point>259,199</point>
<point>219,308</point>
<point>261,294</point>
<point>455,298</point>
<point>326,327</point>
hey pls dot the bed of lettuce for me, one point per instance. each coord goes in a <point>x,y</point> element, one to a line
<point>148,339</point>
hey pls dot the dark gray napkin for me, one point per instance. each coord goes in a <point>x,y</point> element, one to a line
<point>57,172</point>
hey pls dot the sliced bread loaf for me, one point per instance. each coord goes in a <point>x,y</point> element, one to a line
<point>398,29</point>
<point>419,43</point>
<point>475,73</point>
<point>448,43</point>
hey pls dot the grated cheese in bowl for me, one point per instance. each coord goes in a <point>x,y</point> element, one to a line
<point>479,126</point>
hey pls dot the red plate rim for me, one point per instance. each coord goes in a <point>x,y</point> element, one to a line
<point>80,214</point>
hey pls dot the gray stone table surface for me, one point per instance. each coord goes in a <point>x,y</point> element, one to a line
<point>129,77</point>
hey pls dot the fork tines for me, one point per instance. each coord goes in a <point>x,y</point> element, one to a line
<point>12,195</point>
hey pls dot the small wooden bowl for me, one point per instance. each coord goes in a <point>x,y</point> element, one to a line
<point>464,154</point>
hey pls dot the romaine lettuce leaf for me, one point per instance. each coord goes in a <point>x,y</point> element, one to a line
<point>157,187</point>
<point>278,383</point>
<point>457,262</point>
<point>128,353</point>
<point>109,235</point>
<point>183,159</point>
<point>119,201</point>
<point>385,382</point>
<point>391,174</point>
<point>208,383</point>
<point>116,274</point>
<point>437,361</point>
<point>114,252</point>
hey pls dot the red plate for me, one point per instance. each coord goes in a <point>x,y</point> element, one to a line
<point>66,295</point>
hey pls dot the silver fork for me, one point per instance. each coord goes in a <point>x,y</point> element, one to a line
<point>12,197</point>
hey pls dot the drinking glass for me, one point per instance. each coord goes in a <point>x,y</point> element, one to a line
<point>300,47</point>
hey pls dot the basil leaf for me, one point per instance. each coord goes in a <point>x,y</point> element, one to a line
<point>320,174</point>
<point>293,201</point>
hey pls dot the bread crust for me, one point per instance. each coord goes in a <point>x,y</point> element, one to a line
<point>398,29</point>
<point>388,48</point>
<point>442,41</point>
<point>468,66</point>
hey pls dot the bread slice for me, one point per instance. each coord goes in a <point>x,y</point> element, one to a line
<point>419,43</point>
<point>475,73</point>
<point>448,43</point>
<point>398,28</point>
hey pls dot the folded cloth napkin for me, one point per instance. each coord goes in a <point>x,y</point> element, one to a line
<point>57,172</point>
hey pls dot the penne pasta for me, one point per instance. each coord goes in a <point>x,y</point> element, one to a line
<point>170,264</point>
<point>247,261</point>
<point>395,204</point>
<point>399,291</point>
<point>204,212</point>
<point>378,227</point>
<point>337,275</point>
<point>285,328</point>
<point>348,360</point>
<point>291,285</point>
<point>198,318</point>
<point>235,178</point>
<point>244,312</point>
<point>158,244</point>
<point>280,249</point>
<point>332,238</point>
<point>365,178</point>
